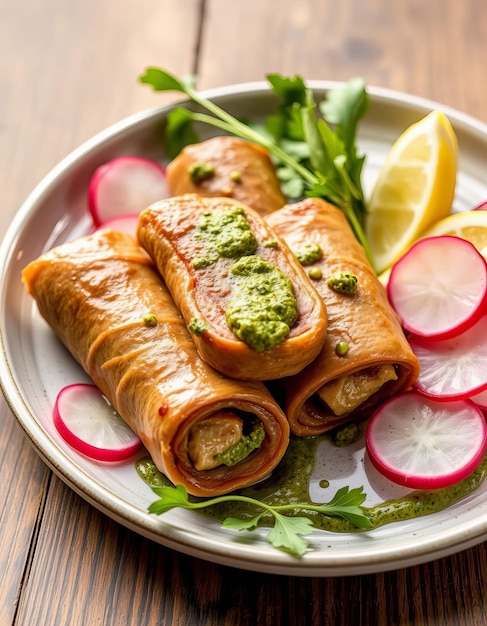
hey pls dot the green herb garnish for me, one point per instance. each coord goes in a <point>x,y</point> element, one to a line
<point>287,532</point>
<point>313,145</point>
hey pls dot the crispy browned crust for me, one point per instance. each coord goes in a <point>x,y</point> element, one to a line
<point>94,293</point>
<point>167,231</point>
<point>365,320</point>
<point>257,185</point>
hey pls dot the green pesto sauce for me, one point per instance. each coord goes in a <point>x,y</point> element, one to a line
<point>262,306</point>
<point>226,233</point>
<point>198,172</point>
<point>198,327</point>
<point>346,435</point>
<point>343,282</point>
<point>203,261</point>
<point>247,444</point>
<point>309,253</point>
<point>290,483</point>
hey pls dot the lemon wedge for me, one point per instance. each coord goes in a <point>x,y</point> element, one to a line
<point>469,225</point>
<point>414,188</point>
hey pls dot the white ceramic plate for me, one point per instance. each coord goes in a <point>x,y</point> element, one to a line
<point>33,365</point>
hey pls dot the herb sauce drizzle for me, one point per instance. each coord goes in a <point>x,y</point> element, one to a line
<point>290,483</point>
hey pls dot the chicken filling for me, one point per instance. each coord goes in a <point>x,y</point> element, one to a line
<point>348,392</point>
<point>223,439</point>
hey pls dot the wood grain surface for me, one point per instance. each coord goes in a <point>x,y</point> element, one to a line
<point>68,70</point>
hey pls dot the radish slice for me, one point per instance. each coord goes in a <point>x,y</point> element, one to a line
<point>439,287</point>
<point>126,184</point>
<point>481,207</point>
<point>88,423</point>
<point>126,223</point>
<point>423,444</point>
<point>480,399</point>
<point>453,369</point>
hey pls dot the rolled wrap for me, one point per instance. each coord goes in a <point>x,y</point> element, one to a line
<point>365,321</point>
<point>94,292</point>
<point>168,232</point>
<point>241,170</point>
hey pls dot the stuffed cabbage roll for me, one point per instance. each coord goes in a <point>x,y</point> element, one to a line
<point>227,167</point>
<point>366,357</point>
<point>252,311</point>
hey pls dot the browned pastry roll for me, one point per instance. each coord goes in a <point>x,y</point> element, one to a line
<point>227,166</point>
<point>366,357</point>
<point>103,298</point>
<point>253,312</point>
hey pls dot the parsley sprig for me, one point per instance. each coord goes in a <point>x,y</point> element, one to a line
<point>287,532</point>
<point>314,146</point>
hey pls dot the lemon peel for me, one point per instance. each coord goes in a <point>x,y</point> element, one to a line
<point>414,189</point>
<point>469,225</point>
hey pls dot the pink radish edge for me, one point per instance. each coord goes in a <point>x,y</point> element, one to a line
<point>482,206</point>
<point>78,410</point>
<point>439,287</point>
<point>125,223</point>
<point>453,369</point>
<point>125,184</point>
<point>422,444</point>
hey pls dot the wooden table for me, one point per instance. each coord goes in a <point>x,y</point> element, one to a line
<point>69,69</point>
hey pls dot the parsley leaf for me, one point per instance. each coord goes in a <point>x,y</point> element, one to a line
<point>169,498</point>
<point>287,532</point>
<point>164,81</point>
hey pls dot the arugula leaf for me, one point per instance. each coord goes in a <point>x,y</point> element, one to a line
<point>161,80</point>
<point>330,167</point>
<point>286,533</point>
<point>180,131</point>
<point>319,153</point>
<point>292,185</point>
<point>287,121</point>
<point>291,90</point>
<point>344,108</point>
